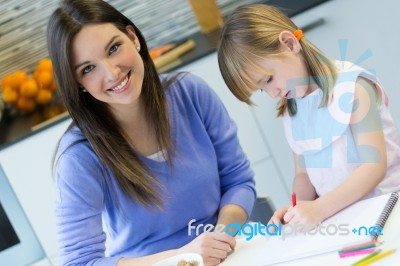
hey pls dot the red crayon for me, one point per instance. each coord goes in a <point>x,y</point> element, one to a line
<point>294,200</point>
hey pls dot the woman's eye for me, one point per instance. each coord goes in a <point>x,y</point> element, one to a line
<point>87,69</point>
<point>114,48</point>
<point>269,79</point>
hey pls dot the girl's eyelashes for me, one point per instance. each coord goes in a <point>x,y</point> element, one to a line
<point>265,82</point>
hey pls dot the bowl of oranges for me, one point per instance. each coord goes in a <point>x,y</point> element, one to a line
<point>28,92</point>
<point>33,93</point>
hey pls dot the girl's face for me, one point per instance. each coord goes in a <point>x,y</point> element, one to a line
<point>282,76</point>
<point>107,64</point>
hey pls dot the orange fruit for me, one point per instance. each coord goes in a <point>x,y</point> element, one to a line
<point>44,97</point>
<point>45,78</point>
<point>53,86</point>
<point>29,88</point>
<point>10,95</point>
<point>17,78</point>
<point>26,105</point>
<point>6,81</point>
<point>36,74</point>
<point>45,65</point>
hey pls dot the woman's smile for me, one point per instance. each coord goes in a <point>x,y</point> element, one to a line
<point>122,86</point>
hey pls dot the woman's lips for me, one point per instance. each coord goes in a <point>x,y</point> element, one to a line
<point>123,85</point>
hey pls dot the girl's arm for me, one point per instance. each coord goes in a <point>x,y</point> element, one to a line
<point>366,128</point>
<point>301,184</point>
<point>367,131</point>
<point>303,188</point>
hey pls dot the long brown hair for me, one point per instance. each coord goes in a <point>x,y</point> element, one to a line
<point>250,34</point>
<point>94,117</point>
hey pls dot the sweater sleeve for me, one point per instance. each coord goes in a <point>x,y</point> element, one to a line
<point>236,176</point>
<point>78,208</point>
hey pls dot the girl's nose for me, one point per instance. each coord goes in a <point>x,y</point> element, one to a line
<point>274,93</point>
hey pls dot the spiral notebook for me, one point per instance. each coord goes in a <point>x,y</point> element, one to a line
<point>350,226</point>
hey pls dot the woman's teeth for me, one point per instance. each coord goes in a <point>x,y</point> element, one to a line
<point>120,86</point>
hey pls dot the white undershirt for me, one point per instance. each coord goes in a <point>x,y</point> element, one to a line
<point>158,156</point>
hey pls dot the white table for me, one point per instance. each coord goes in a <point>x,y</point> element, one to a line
<point>246,251</point>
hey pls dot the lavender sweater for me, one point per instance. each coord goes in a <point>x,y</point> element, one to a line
<point>210,171</point>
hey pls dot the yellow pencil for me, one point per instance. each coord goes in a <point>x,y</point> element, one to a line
<point>377,257</point>
<point>373,254</point>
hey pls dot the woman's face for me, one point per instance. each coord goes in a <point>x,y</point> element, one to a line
<point>107,63</point>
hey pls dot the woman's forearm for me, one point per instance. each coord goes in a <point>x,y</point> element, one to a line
<point>147,260</point>
<point>230,214</point>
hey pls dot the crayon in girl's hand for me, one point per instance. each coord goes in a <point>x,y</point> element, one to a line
<point>294,199</point>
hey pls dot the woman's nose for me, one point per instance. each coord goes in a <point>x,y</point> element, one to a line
<point>111,71</point>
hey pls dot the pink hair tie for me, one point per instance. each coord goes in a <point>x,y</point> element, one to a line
<point>298,34</point>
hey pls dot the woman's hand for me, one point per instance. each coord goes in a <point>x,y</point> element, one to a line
<point>214,247</point>
<point>305,215</point>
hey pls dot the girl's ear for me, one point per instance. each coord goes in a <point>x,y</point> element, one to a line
<point>287,39</point>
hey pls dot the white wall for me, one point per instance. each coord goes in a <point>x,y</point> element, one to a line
<point>27,164</point>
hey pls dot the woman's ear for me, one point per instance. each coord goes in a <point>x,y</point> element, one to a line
<point>132,35</point>
<point>287,39</point>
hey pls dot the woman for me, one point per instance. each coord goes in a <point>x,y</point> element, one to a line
<point>145,155</point>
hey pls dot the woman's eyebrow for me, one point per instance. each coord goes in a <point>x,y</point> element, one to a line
<point>110,42</point>
<point>81,64</point>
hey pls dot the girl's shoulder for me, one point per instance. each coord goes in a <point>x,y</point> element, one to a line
<point>313,125</point>
<point>348,73</point>
<point>348,77</point>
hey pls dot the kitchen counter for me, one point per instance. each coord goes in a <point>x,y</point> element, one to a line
<point>15,129</point>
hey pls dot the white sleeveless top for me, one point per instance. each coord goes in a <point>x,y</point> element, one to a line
<point>324,139</point>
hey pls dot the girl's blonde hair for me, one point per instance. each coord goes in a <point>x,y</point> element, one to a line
<point>250,34</point>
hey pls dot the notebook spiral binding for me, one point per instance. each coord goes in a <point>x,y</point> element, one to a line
<point>386,211</point>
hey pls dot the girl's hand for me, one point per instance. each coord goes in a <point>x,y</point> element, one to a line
<point>214,247</point>
<point>305,215</point>
<point>278,217</point>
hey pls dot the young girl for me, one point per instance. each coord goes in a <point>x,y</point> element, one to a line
<point>335,114</point>
<point>145,156</point>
